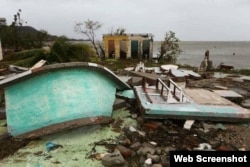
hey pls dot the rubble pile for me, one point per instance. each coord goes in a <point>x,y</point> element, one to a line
<point>150,143</point>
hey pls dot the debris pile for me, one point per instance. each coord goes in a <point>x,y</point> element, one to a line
<point>151,142</point>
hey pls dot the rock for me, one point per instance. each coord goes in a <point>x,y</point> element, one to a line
<point>153,143</point>
<point>188,124</point>
<point>145,150</point>
<point>246,103</point>
<point>134,116</point>
<point>214,144</point>
<point>142,159</point>
<point>225,147</point>
<point>152,126</point>
<point>148,161</point>
<point>126,152</point>
<point>119,103</point>
<point>220,126</point>
<point>168,122</point>
<point>156,165</point>
<point>125,142</point>
<point>207,127</point>
<point>165,160</point>
<point>99,156</point>
<point>113,159</point>
<point>242,149</point>
<point>168,149</point>
<point>204,147</point>
<point>173,132</point>
<point>155,158</point>
<point>158,151</point>
<point>132,129</point>
<point>135,146</point>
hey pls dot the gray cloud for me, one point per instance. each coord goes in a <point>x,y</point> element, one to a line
<point>190,19</point>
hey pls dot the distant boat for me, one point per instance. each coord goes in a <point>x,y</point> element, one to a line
<point>60,96</point>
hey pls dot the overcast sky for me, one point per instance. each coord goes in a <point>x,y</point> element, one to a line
<point>191,20</point>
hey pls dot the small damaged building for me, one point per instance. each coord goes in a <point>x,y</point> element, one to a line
<point>135,46</point>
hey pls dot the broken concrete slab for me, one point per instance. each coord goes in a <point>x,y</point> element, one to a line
<point>113,159</point>
<point>178,73</point>
<point>119,103</point>
<point>157,102</point>
<point>228,94</point>
<point>246,103</point>
<point>191,73</point>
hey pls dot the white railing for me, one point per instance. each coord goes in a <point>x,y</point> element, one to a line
<point>172,89</point>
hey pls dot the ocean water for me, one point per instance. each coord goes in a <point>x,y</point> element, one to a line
<point>233,53</point>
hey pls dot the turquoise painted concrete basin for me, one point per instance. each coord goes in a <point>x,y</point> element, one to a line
<point>58,97</point>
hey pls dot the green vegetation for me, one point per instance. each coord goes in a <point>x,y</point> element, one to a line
<point>18,37</point>
<point>61,51</point>
<point>170,48</point>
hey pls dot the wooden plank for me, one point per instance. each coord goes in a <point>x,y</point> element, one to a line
<point>206,97</point>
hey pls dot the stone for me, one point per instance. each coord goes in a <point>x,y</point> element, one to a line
<point>133,130</point>
<point>155,158</point>
<point>204,147</point>
<point>148,161</point>
<point>135,146</point>
<point>125,142</point>
<point>113,159</point>
<point>220,126</point>
<point>173,132</point>
<point>156,165</point>
<point>242,149</point>
<point>119,103</point>
<point>152,126</point>
<point>207,127</point>
<point>153,143</point>
<point>165,160</point>
<point>188,124</point>
<point>126,152</point>
<point>168,149</point>
<point>158,151</point>
<point>145,150</point>
<point>142,159</point>
<point>134,116</point>
<point>225,147</point>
